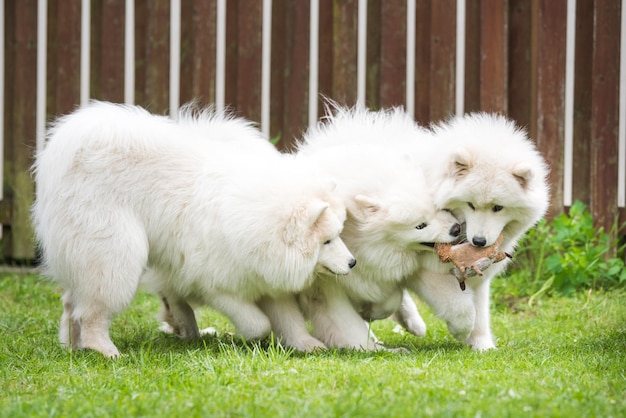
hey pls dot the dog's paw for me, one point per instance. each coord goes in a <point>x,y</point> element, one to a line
<point>308,344</point>
<point>481,343</point>
<point>208,331</point>
<point>416,326</point>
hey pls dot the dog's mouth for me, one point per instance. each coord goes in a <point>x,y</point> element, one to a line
<point>334,272</point>
<point>428,244</point>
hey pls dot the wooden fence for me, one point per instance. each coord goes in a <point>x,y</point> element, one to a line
<point>552,65</point>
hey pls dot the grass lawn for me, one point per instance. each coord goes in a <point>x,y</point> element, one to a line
<point>560,357</point>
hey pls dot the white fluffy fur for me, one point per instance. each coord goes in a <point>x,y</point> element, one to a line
<point>390,214</point>
<point>120,190</point>
<point>491,176</point>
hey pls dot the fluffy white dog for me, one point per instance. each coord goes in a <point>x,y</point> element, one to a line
<point>391,219</point>
<point>120,190</point>
<point>490,175</point>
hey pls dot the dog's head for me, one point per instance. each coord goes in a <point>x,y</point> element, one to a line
<point>314,229</point>
<point>495,180</point>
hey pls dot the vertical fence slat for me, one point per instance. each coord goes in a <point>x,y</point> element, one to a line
<point>374,51</point>
<point>41,87</point>
<point>494,56</point>
<point>410,57</point>
<point>422,61</point>
<point>569,103</point>
<point>326,56</point>
<point>460,58</point>
<point>157,53</point>
<point>471,96</point>
<point>519,70</point>
<point>108,51</point>
<point>290,77</point>
<point>393,56</point>
<point>129,52</point>
<point>361,71</point>
<point>85,50</point>
<point>550,64</point>
<point>344,83</point>
<point>604,112</point>
<point>174,82</point>
<point>198,51</point>
<point>314,26</point>
<point>20,188</point>
<point>266,66</point>
<point>443,59</point>
<point>249,60</point>
<point>582,101</point>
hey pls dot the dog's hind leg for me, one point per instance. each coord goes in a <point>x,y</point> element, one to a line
<point>409,317</point>
<point>288,322</point>
<point>250,322</point>
<point>179,315</point>
<point>69,330</point>
<point>106,275</point>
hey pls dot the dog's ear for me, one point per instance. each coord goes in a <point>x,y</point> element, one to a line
<point>523,173</point>
<point>302,220</point>
<point>314,210</point>
<point>461,163</point>
<point>365,207</point>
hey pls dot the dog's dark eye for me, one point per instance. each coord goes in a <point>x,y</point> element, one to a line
<point>471,205</point>
<point>421,226</point>
<point>497,208</point>
<point>327,242</point>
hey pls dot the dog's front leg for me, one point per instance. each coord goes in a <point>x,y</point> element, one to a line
<point>288,322</point>
<point>481,338</point>
<point>335,321</point>
<point>250,322</point>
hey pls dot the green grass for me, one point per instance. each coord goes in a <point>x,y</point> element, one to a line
<point>562,356</point>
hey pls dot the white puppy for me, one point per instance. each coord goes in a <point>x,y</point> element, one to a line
<point>120,190</point>
<point>490,175</point>
<point>391,219</point>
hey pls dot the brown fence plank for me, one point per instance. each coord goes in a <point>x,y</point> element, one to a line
<point>325,53</point>
<point>604,113</point>
<point>550,64</point>
<point>472,55</point>
<point>494,56</point>
<point>232,54</point>
<point>393,55</point>
<point>345,51</point>
<point>443,62</point>
<point>198,32</point>
<point>108,50</point>
<point>374,49</point>
<point>289,95</point>
<point>581,181</point>
<point>63,66</point>
<point>250,25</point>
<point>519,70</point>
<point>157,56</point>
<point>22,73</point>
<point>422,61</point>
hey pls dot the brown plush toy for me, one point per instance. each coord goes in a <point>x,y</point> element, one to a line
<point>469,260</point>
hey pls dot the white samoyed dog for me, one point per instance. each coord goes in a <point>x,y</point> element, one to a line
<point>391,219</point>
<point>120,190</point>
<point>490,175</point>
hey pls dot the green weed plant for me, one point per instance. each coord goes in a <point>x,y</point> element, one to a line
<point>565,255</point>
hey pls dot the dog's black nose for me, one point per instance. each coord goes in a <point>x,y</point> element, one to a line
<point>455,230</point>
<point>479,241</point>
<point>352,263</point>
